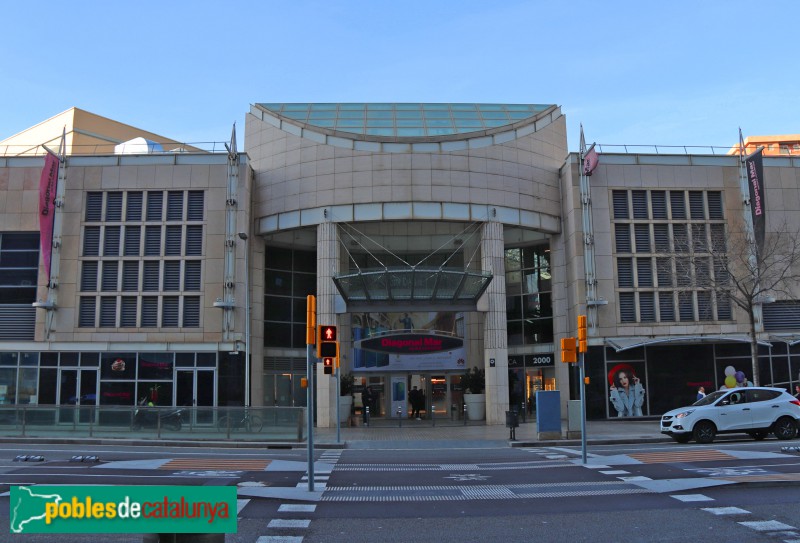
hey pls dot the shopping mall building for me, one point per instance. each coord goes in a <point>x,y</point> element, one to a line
<point>436,237</point>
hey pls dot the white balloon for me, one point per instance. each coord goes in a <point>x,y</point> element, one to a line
<point>730,370</point>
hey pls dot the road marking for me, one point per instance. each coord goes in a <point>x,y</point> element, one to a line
<point>280,539</point>
<point>228,464</point>
<point>726,511</point>
<point>288,523</point>
<point>435,493</point>
<point>468,477</point>
<point>634,478</point>
<point>767,526</point>
<point>296,508</point>
<point>681,456</point>
<point>241,504</point>
<point>761,478</point>
<point>691,498</point>
<point>615,472</point>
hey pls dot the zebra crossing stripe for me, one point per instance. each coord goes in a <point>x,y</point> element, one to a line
<point>680,456</point>
<point>296,508</point>
<point>288,523</point>
<point>726,511</point>
<point>280,539</point>
<point>691,498</point>
<point>768,526</point>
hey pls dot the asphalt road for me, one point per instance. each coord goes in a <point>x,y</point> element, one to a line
<point>727,491</point>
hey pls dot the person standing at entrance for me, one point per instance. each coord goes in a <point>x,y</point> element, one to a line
<point>415,399</point>
<point>366,403</point>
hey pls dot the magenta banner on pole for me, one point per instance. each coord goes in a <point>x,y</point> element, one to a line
<point>47,194</point>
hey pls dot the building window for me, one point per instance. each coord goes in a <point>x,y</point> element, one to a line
<point>529,305</point>
<point>289,276</point>
<point>150,240</point>
<point>664,247</point>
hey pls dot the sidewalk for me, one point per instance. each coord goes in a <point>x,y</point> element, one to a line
<point>387,434</point>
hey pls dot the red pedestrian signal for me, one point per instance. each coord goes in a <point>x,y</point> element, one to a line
<point>327,362</point>
<point>327,344</point>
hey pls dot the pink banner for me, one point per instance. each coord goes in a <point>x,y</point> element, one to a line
<point>47,195</point>
<point>590,161</point>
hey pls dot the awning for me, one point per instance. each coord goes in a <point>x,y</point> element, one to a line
<point>430,286</point>
<point>790,339</point>
<point>625,343</point>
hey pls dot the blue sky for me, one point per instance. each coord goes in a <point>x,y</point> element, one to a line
<point>636,73</point>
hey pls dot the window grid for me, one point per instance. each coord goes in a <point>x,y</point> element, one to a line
<point>664,241</point>
<point>141,292</point>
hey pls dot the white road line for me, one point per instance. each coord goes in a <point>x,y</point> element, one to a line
<point>296,508</point>
<point>615,472</point>
<point>240,504</point>
<point>726,511</point>
<point>280,539</point>
<point>288,523</point>
<point>767,526</point>
<point>691,498</point>
<point>634,478</point>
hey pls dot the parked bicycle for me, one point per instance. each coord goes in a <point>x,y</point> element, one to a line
<point>246,422</point>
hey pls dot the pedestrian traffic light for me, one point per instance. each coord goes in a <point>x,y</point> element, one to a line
<point>327,363</point>
<point>328,344</point>
<point>568,350</point>
<point>582,341</point>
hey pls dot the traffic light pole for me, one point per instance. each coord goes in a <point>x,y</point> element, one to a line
<point>582,373</point>
<point>338,405</point>
<point>310,363</point>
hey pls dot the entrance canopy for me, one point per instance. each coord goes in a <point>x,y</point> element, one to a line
<point>413,286</point>
<point>625,343</point>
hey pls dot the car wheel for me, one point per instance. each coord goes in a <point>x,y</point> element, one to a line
<point>785,428</point>
<point>704,431</point>
<point>682,438</point>
<point>758,435</point>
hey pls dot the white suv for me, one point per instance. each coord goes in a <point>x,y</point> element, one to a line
<point>756,411</point>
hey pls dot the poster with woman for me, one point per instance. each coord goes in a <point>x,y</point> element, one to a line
<point>626,391</point>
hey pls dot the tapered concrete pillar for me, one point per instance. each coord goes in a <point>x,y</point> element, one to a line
<point>327,266</point>
<point>495,352</point>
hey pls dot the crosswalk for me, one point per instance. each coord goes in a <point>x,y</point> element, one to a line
<point>212,464</point>
<point>701,455</point>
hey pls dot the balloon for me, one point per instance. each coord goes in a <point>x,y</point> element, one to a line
<point>729,371</point>
<point>730,381</point>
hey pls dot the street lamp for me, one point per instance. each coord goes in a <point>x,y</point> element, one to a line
<point>243,237</point>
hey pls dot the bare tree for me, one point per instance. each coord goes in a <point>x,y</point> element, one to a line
<point>725,267</point>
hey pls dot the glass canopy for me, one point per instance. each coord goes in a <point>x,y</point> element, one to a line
<point>407,120</point>
<point>431,286</point>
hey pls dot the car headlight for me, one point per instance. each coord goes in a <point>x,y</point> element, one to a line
<point>684,414</point>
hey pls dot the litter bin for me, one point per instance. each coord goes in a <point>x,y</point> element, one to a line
<point>512,422</point>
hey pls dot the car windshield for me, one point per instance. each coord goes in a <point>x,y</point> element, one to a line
<point>711,398</point>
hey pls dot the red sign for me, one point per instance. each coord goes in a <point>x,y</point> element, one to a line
<point>410,343</point>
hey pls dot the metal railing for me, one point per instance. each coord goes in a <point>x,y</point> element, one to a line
<point>108,149</point>
<point>123,422</point>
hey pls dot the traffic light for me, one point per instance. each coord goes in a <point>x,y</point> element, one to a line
<point>327,363</point>
<point>582,342</point>
<point>568,353</point>
<point>311,319</point>
<point>328,345</point>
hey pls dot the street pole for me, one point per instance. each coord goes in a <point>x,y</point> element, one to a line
<point>582,374</point>
<point>310,357</point>
<point>243,237</point>
<point>338,404</point>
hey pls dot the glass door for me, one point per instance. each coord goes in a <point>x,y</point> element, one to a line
<point>77,387</point>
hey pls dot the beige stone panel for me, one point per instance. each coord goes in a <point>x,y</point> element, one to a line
<point>88,179</point>
<point>441,193</point>
<point>440,162</point>
<point>401,161</point>
<point>401,177</point>
<point>111,176</point>
<point>460,178</point>
<point>421,193</point>
<point>478,180</point>
<point>343,180</point>
<point>421,177</point>
<point>16,179</point>
<point>382,193</point>
<point>459,163</point>
<point>382,178</point>
<point>326,197</point>
<point>401,193</point>
<point>326,166</point>
<point>326,182</point>
<point>440,177</point>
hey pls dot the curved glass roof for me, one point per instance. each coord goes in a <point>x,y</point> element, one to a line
<point>407,120</point>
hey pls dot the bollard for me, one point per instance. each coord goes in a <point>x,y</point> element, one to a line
<point>433,412</point>
<point>366,416</point>
<point>465,414</point>
<point>522,410</point>
<point>400,416</point>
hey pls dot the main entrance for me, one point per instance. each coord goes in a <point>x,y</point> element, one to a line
<point>433,397</point>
